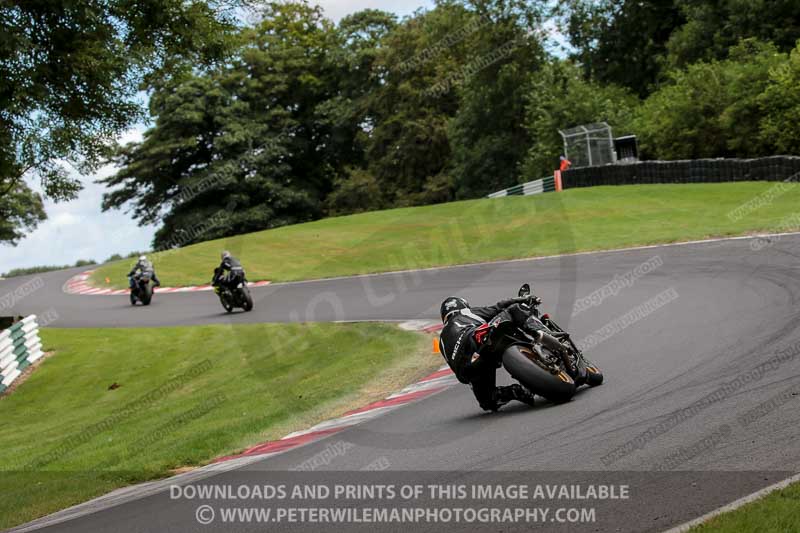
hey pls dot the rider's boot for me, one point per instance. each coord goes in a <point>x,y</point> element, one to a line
<point>514,392</point>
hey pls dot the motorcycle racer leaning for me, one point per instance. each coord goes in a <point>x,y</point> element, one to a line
<point>465,343</point>
<point>143,265</point>
<point>229,272</point>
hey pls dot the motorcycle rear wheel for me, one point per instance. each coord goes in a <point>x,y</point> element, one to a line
<point>594,377</point>
<point>524,365</point>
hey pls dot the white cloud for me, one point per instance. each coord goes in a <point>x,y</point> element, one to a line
<point>65,219</point>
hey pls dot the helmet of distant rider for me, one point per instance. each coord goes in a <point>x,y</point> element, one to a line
<point>142,258</point>
<point>452,305</point>
<point>224,255</point>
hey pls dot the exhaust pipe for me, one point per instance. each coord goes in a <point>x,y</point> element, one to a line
<point>550,342</point>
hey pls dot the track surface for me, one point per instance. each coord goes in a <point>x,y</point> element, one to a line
<point>736,308</point>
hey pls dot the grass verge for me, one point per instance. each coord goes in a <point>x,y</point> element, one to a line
<point>479,230</point>
<point>115,407</point>
<point>778,512</point>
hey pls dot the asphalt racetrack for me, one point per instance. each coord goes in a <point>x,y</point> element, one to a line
<point>687,417</point>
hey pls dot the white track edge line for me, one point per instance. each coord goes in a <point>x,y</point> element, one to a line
<point>750,498</point>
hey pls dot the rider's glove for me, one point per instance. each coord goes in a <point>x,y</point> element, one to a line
<point>522,300</point>
<point>511,301</point>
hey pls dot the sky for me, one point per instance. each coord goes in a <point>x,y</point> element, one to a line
<point>336,9</point>
<point>80,230</point>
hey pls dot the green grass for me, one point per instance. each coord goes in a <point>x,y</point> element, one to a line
<point>186,395</point>
<point>778,512</point>
<point>478,230</point>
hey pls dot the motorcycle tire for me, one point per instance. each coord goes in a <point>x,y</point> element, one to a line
<point>133,298</point>
<point>226,304</point>
<point>147,294</point>
<point>523,365</point>
<point>247,303</point>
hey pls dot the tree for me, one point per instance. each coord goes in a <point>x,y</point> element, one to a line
<point>487,134</point>
<point>623,42</point>
<point>560,98</point>
<point>780,107</point>
<point>444,120</point>
<point>20,211</point>
<point>407,146</point>
<point>348,115</point>
<point>244,147</point>
<point>69,75</point>
<point>714,26</point>
<point>711,109</point>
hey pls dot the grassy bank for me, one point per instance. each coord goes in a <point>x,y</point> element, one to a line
<point>478,230</point>
<point>777,513</point>
<point>116,406</point>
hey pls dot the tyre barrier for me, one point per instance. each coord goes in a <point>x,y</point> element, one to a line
<point>775,168</point>
<point>20,347</point>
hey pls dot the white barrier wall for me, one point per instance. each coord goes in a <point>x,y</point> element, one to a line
<point>20,346</point>
<point>525,189</point>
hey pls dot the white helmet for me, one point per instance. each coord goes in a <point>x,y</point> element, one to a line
<point>225,255</point>
<point>142,258</point>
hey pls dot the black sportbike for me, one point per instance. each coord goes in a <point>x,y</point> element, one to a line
<point>142,290</point>
<point>546,362</point>
<point>236,297</point>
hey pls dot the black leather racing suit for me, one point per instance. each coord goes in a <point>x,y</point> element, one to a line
<point>143,267</point>
<point>229,273</point>
<point>465,334</point>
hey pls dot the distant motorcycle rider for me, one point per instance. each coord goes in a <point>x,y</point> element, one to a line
<point>229,273</point>
<point>143,266</point>
<point>465,343</point>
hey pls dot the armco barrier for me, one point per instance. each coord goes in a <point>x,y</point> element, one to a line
<point>526,189</point>
<point>20,346</point>
<point>776,168</point>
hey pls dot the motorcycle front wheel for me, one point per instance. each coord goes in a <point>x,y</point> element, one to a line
<point>525,366</point>
<point>147,294</point>
<point>247,300</point>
